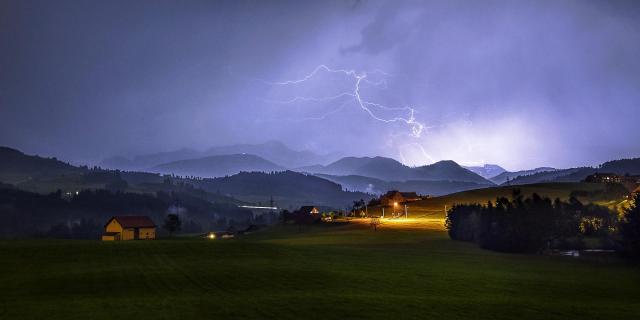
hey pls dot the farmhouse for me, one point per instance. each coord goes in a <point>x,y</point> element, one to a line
<point>129,228</point>
<point>395,197</point>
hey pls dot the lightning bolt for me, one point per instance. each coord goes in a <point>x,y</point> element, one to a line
<point>361,80</point>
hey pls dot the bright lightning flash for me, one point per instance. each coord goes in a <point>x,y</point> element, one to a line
<point>361,80</point>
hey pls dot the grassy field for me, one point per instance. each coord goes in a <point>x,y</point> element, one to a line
<point>400,271</point>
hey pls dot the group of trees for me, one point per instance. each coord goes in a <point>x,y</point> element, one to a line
<point>358,207</point>
<point>28,214</point>
<point>530,224</point>
<point>629,229</point>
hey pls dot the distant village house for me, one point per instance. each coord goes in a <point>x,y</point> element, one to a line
<point>396,197</point>
<point>603,178</point>
<point>304,215</point>
<point>628,181</point>
<point>129,228</point>
<point>309,210</point>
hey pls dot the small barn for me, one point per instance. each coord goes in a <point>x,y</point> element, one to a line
<point>129,228</point>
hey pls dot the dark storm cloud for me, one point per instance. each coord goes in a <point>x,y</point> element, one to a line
<point>520,83</point>
<point>563,66</point>
<point>390,26</point>
<point>134,77</point>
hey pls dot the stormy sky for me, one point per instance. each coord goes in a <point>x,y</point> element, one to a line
<point>516,83</point>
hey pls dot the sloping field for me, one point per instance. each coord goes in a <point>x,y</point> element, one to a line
<point>435,207</point>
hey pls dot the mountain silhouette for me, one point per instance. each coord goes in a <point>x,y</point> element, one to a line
<point>486,171</point>
<point>391,170</point>
<point>507,175</point>
<point>273,151</point>
<point>16,166</point>
<point>424,187</point>
<point>217,166</point>
<point>448,170</point>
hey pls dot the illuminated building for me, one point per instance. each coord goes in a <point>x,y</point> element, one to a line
<point>129,228</point>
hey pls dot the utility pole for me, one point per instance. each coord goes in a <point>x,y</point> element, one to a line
<point>445,210</point>
<point>406,214</point>
<point>383,212</point>
<point>271,211</point>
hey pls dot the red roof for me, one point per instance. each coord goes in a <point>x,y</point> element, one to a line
<point>134,221</point>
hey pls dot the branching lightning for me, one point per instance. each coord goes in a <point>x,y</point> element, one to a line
<point>361,80</point>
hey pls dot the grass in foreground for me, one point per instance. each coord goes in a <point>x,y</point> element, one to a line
<point>401,271</point>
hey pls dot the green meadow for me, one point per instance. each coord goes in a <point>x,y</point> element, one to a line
<point>326,272</point>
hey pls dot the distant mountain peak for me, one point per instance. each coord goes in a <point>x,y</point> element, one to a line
<point>445,163</point>
<point>450,170</point>
<point>487,171</point>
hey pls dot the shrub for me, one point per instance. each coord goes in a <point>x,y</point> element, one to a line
<point>629,228</point>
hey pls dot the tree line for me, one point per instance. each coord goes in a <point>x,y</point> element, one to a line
<point>28,214</point>
<point>536,224</point>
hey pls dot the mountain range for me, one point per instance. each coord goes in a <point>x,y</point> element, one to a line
<point>388,169</point>
<point>425,187</point>
<point>217,166</point>
<point>273,151</point>
<point>275,156</point>
<point>507,175</point>
<point>45,175</point>
<point>486,171</point>
<point>372,175</point>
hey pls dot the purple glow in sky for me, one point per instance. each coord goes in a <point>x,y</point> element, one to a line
<point>517,83</point>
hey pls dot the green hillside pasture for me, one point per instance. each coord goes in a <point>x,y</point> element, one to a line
<point>435,207</point>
